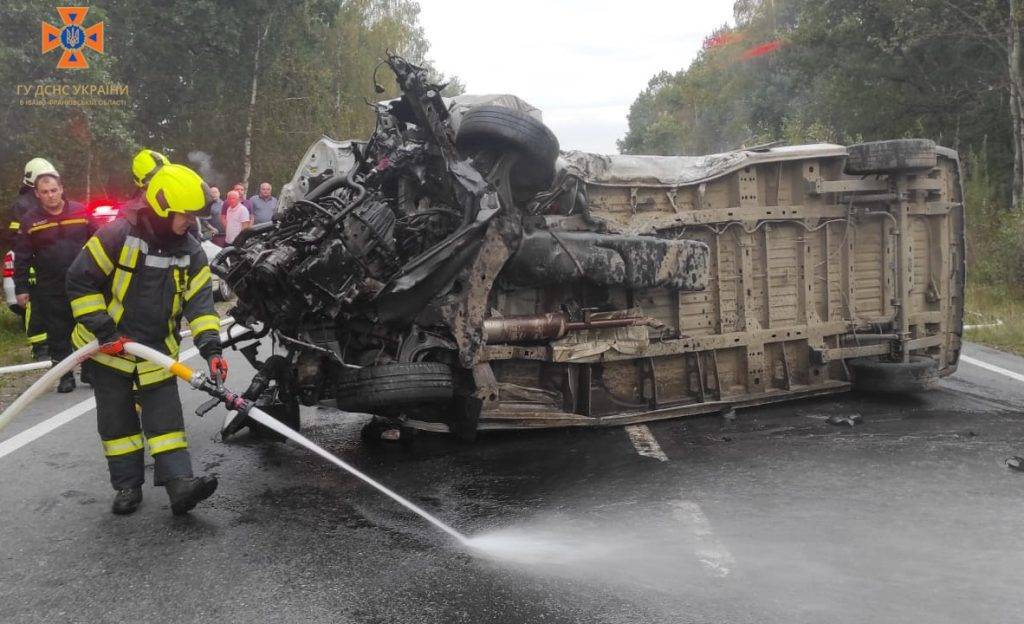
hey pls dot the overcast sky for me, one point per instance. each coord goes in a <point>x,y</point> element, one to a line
<point>582,62</point>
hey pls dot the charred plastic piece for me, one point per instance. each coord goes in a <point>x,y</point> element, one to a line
<point>549,258</point>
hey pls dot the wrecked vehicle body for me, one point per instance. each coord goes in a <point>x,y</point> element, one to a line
<point>457,273</point>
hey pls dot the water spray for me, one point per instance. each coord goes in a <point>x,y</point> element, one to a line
<point>234,402</point>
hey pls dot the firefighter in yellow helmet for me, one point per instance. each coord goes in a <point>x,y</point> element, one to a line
<point>134,281</point>
<point>145,164</point>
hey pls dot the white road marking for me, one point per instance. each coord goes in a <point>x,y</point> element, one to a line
<point>645,443</point>
<point>709,549</point>
<point>992,367</point>
<point>35,432</point>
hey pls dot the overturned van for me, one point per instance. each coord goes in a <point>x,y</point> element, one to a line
<point>457,273</point>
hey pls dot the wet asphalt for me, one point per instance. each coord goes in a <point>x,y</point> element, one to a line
<point>775,516</point>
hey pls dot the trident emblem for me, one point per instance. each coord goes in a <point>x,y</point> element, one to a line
<point>73,37</point>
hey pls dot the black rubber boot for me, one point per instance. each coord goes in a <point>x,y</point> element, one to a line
<point>85,376</point>
<point>126,501</point>
<point>67,383</point>
<point>40,353</point>
<point>186,492</point>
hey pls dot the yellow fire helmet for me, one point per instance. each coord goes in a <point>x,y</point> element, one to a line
<point>35,168</point>
<point>176,188</point>
<point>146,163</point>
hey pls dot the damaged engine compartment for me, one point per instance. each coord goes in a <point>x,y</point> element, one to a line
<point>396,260</point>
<point>457,272</point>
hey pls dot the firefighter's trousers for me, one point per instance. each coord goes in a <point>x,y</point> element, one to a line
<point>54,312</point>
<point>34,331</point>
<point>162,427</point>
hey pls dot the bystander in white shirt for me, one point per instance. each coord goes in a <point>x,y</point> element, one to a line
<point>236,220</point>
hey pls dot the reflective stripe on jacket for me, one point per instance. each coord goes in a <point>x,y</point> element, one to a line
<point>123,284</point>
<point>49,244</point>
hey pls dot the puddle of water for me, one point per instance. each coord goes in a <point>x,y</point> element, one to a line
<point>271,423</point>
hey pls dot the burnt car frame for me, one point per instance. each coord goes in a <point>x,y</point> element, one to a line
<point>457,273</point>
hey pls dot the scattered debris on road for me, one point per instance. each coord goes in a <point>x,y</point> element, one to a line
<point>851,420</point>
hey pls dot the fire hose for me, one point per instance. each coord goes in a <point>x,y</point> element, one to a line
<point>241,407</point>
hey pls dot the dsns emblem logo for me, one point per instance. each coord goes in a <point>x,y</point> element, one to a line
<point>73,38</point>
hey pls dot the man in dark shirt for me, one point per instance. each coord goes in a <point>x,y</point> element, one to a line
<point>26,200</point>
<point>214,217</point>
<point>49,239</point>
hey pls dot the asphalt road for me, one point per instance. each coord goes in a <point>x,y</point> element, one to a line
<point>776,516</point>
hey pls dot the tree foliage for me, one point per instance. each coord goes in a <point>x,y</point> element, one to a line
<point>189,68</point>
<point>841,71</point>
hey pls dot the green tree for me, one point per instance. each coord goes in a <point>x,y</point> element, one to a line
<point>84,142</point>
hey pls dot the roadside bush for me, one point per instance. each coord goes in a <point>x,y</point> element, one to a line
<point>995,233</point>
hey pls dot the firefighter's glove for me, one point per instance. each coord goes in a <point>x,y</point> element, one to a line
<point>116,346</point>
<point>218,368</point>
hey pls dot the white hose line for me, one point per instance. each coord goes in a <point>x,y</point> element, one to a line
<point>997,323</point>
<point>69,363</point>
<point>31,366</point>
<point>266,420</point>
<point>196,379</point>
<point>24,368</point>
<point>154,356</point>
<point>42,384</point>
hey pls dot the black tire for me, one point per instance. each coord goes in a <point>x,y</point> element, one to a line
<point>490,127</point>
<point>223,291</point>
<point>891,156</point>
<point>881,377</point>
<point>393,385</point>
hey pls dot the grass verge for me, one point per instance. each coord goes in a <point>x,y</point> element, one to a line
<point>989,305</point>
<point>13,348</point>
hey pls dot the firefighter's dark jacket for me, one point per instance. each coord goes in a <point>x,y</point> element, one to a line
<point>25,201</point>
<point>125,283</point>
<point>49,243</point>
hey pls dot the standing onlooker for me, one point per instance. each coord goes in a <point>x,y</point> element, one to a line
<point>236,217</point>
<point>49,240</point>
<point>241,194</point>
<point>264,205</point>
<point>213,218</point>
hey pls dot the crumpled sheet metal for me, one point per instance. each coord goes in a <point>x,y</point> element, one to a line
<point>588,344</point>
<point>326,153</point>
<point>675,171</point>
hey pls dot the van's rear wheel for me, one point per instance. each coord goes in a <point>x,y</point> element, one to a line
<point>878,376</point>
<point>500,128</point>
